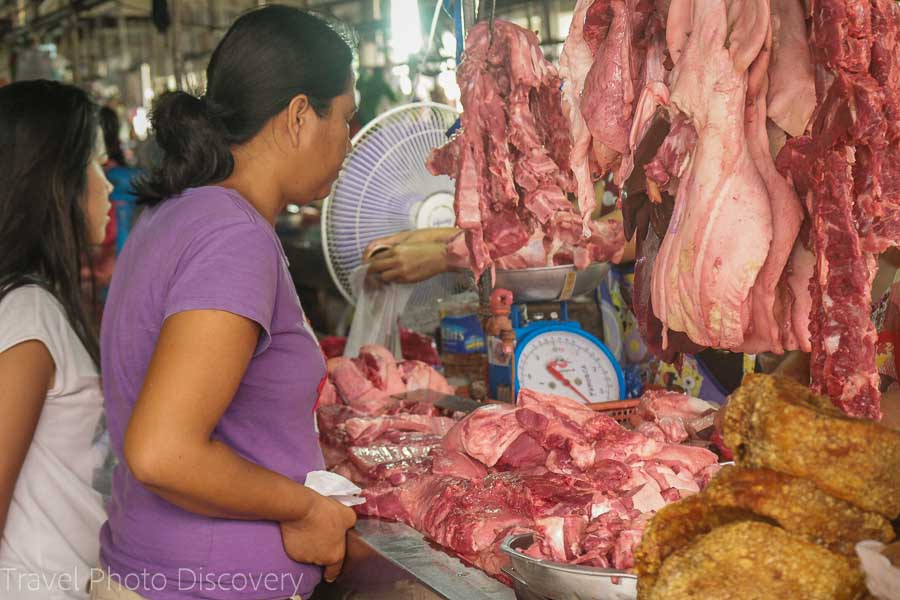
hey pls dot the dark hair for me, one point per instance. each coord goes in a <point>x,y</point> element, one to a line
<point>48,136</point>
<point>109,122</point>
<point>269,56</point>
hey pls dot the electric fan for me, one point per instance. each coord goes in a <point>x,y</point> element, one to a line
<point>384,188</point>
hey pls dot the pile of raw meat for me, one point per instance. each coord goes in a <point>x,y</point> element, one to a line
<point>733,254</point>
<point>413,346</point>
<point>366,433</point>
<point>511,162</point>
<point>582,483</point>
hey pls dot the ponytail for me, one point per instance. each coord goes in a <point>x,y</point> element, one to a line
<point>195,152</point>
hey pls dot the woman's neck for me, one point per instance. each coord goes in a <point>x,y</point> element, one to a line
<point>256,181</point>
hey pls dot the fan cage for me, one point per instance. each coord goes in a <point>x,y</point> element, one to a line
<point>381,180</point>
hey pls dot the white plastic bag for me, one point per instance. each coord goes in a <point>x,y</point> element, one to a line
<point>378,308</point>
<point>882,578</point>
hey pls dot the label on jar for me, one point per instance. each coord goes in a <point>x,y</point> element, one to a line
<point>462,335</point>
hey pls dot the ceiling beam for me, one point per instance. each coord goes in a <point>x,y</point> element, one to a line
<point>53,18</point>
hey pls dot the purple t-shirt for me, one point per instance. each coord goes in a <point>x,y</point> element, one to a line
<point>209,249</point>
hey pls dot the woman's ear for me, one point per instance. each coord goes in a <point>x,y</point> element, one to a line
<point>298,113</point>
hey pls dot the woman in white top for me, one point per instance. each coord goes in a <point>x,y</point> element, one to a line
<point>54,201</point>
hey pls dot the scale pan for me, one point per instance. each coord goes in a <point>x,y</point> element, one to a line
<point>545,284</point>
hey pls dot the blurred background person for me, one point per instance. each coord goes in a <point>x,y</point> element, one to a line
<point>375,95</point>
<point>122,176</point>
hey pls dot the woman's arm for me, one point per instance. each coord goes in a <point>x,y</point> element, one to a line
<point>26,373</point>
<point>410,262</point>
<point>199,361</point>
<point>412,236</point>
<point>413,256</point>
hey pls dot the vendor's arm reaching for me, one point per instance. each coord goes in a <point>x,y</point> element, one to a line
<point>415,236</point>
<point>412,256</point>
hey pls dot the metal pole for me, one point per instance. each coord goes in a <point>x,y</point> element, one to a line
<point>75,49</point>
<point>469,14</point>
<point>213,16</point>
<point>123,39</point>
<point>547,25</point>
<point>175,43</point>
<point>428,46</point>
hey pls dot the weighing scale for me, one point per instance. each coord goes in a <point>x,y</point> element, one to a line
<point>552,354</point>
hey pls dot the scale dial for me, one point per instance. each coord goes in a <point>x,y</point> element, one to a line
<point>566,363</point>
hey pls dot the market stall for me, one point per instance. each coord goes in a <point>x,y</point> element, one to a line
<point>756,153</point>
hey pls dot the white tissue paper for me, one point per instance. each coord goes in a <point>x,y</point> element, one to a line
<point>335,487</point>
<point>882,578</point>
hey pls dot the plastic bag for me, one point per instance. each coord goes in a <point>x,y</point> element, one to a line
<point>335,486</point>
<point>378,308</point>
<point>882,578</point>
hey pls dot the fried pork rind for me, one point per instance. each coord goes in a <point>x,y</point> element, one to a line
<point>775,423</point>
<point>674,527</point>
<point>736,494</point>
<point>756,561</point>
<point>799,507</point>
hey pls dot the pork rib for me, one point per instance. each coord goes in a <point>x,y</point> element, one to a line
<point>513,161</point>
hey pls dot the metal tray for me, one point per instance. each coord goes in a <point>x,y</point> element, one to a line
<point>545,284</point>
<point>557,581</point>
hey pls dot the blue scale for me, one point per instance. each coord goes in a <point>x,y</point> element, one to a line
<point>555,356</point>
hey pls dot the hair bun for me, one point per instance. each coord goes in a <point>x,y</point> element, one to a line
<point>194,145</point>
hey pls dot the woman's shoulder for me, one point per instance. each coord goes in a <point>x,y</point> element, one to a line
<point>214,204</point>
<point>29,311</point>
<point>204,213</point>
<point>29,298</point>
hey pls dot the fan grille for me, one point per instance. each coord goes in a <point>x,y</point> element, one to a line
<point>383,178</point>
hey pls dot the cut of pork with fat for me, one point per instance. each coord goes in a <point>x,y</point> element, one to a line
<point>791,97</point>
<point>608,87</point>
<point>381,369</point>
<point>575,62</point>
<point>363,431</point>
<point>420,376</point>
<point>764,333</point>
<point>721,230</point>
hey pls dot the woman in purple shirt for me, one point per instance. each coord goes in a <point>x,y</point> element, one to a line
<point>210,370</point>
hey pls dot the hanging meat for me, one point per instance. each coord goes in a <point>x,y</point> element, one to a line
<point>511,162</point>
<point>847,168</point>
<point>735,253</point>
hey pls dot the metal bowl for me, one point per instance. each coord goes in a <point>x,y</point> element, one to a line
<point>557,581</point>
<point>545,284</point>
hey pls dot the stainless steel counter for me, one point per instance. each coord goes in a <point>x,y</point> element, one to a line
<point>391,561</point>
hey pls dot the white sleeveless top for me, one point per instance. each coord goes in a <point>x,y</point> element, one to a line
<point>50,542</point>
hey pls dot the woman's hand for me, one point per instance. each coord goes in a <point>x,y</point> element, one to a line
<point>320,537</point>
<point>410,262</point>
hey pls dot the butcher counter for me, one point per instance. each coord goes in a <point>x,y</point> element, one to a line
<point>391,561</point>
